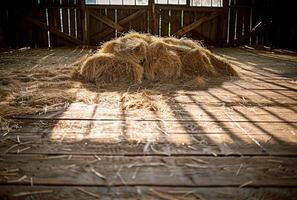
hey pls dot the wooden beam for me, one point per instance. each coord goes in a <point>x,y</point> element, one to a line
<point>202,37</point>
<point>188,8</point>
<point>106,21</point>
<point>122,7</point>
<point>153,17</point>
<point>124,21</point>
<point>196,24</point>
<point>131,17</point>
<point>54,31</point>
<point>164,17</point>
<point>84,22</point>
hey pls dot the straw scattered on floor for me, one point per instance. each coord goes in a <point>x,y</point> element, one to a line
<point>161,64</point>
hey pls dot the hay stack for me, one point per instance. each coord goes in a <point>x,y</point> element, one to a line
<point>112,46</point>
<point>135,49</point>
<point>106,67</point>
<point>221,65</point>
<point>159,59</point>
<point>183,42</point>
<point>163,63</point>
<point>130,49</point>
<point>196,62</point>
<point>134,35</point>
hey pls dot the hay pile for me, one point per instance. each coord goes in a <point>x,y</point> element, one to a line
<point>157,62</point>
<point>135,57</point>
<point>112,69</point>
<point>27,92</point>
<point>39,91</point>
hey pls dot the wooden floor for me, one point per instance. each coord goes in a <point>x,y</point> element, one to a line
<point>234,140</point>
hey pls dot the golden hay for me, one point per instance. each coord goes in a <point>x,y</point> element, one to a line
<point>126,59</point>
<point>197,63</point>
<point>132,49</point>
<point>196,82</point>
<point>135,35</point>
<point>112,46</point>
<point>164,64</point>
<point>7,125</point>
<point>43,91</point>
<point>138,100</point>
<point>135,49</point>
<point>221,65</point>
<point>163,59</point>
<point>179,49</point>
<point>110,68</point>
<point>181,42</point>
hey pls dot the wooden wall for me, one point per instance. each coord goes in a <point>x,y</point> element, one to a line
<point>43,23</point>
<point>250,22</point>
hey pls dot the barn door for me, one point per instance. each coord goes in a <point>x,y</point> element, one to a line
<point>199,19</point>
<point>105,23</point>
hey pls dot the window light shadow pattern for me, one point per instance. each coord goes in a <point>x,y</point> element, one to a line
<point>190,120</point>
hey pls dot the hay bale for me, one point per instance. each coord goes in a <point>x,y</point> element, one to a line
<point>135,35</point>
<point>183,42</point>
<point>163,63</point>
<point>135,49</point>
<point>109,47</point>
<point>221,65</point>
<point>160,45</point>
<point>163,59</point>
<point>132,49</point>
<point>108,68</point>
<point>197,63</point>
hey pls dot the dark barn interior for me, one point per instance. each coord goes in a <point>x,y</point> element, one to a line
<point>228,138</point>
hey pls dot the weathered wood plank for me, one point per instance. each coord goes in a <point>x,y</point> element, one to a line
<point>175,20</point>
<point>167,137</point>
<point>106,21</point>
<point>159,171</point>
<point>89,147</point>
<point>121,148</point>
<point>77,144</point>
<point>39,35</point>
<point>72,23</point>
<point>55,31</point>
<point>141,192</point>
<point>122,22</point>
<point>195,24</point>
<point>65,20</point>
<point>176,111</point>
<point>165,19</point>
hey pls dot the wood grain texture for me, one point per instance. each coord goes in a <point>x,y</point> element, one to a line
<point>235,139</point>
<point>151,193</point>
<point>152,171</point>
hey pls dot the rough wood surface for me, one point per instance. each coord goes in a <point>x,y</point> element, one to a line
<point>195,24</point>
<point>152,171</point>
<point>231,140</point>
<point>151,193</point>
<point>55,31</point>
